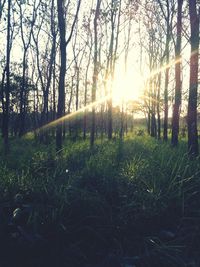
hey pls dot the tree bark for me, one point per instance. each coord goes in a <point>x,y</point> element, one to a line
<point>95,73</point>
<point>22,96</point>
<point>158,108</point>
<point>192,104</point>
<point>61,85</point>
<point>7,93</point>
<point>85,96</point>
<point>168,15</point>
<point>166,107</point>
<point>177,104</point>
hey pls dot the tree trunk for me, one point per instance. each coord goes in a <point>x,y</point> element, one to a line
<point>61,85</point>
<point>192,104</point>
<point>158,108</point>
<point>95,73</point>
<point>2,100</point>
<point>121,133</point>
<point>165,130</point>
<point>85,98</point>
<point>7,93</point>
<point>177,104</point>
<point>110,121</point>
<point>22,96</point>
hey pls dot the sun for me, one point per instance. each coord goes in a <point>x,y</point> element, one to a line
<point>127,87</point>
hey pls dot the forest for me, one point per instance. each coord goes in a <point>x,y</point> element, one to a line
<point>100,131</point>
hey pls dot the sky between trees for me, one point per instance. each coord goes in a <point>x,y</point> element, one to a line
<point>127,45</point>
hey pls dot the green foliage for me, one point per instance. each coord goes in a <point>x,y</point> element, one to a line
<point>117,196</point>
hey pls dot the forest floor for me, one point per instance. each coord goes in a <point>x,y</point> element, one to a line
<point>125,203</point>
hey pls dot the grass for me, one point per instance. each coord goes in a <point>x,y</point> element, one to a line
<point>137,200</point>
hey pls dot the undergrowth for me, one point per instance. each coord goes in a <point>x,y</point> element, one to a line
<point>136,199</point>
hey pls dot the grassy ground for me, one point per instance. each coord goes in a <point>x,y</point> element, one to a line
<point>131,203</point>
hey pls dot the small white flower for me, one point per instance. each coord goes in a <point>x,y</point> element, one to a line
<point>66,170</point>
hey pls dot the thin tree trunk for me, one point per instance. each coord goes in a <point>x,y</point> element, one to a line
<point>85,97</point>
<point>192,104</point>
<point>110,121</point>
<point>61,85</point>
<point>2,100</point>
<point>168,15</point>
<point>166,108</point>
<point>177,104</point>
<point>22,96</point>
<point>54,91</point>
<point>7,103</point>
<point>158,107</point>
<point>95,73</point>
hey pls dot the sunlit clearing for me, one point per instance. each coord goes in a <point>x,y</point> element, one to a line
<point>127,87</point>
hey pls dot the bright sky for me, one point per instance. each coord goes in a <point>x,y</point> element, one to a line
<point>127,86</point>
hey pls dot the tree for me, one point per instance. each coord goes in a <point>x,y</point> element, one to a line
<point>177,104</point>
<point>45,59</point>
<point>95,70</point>
<point>2,3</point>
<point>25,23</point>
<point>7,93</point>
<point>61,85</point>
<point>154,49</point>
<point>89,41</point>
<point>194,57</point>
<point>63,46</point>
<point>115,12</point>
<point>167,9</point>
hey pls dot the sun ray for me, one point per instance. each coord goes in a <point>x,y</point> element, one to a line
<point>71,115</point>
<point>105,99</point>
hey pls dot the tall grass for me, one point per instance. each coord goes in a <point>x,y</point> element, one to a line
<point>117,197</point>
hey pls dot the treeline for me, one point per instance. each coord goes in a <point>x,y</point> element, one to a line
<point>78,128</point>
<point>61,56</point>
<point>168,73</point>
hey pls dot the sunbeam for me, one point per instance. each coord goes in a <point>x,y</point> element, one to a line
<point>104,99</point>
<point>71,115</point>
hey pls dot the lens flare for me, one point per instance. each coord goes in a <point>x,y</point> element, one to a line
<point>72,115</point>
<point>106,98</point>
